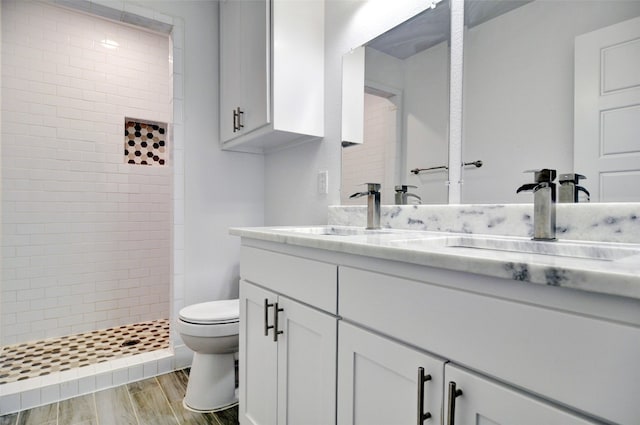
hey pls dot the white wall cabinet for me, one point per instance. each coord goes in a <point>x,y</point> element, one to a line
<point>287,349</point>
<point>271,73</point>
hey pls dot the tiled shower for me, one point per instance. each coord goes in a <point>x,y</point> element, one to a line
<point>86,221</point>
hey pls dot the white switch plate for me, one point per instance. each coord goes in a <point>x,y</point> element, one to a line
<point>323,182</point>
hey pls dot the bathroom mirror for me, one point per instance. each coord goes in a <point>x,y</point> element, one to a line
<point>551,84</point>
<point>396,109</point>
<point>519,106</point>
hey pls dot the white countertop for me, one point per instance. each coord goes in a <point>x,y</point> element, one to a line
<point>609,268</point>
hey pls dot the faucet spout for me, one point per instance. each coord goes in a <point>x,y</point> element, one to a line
<point>544,204</point>
<point>373,204</point>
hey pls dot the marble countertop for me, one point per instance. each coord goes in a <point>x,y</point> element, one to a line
<point>602,267</point>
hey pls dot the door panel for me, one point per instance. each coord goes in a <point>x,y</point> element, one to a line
<point>306,365</point>
<point>486,402</point>
<point>378,380</point>
<point>258,359</point>
<point>607,111</point>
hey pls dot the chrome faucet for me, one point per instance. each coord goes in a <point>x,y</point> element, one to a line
<point>569,188</point>
<point>544,204</point>
<point>373,204</point>
<point>402,196</point>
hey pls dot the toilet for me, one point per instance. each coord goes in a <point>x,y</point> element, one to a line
<point>210,330</point>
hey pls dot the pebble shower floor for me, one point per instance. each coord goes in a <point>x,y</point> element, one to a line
<point>32,359</point>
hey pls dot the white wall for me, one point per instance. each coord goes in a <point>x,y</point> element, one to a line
<point>426,106</point>
<point>518,93</point>
<point>220,189</point>
<point>86,236</point>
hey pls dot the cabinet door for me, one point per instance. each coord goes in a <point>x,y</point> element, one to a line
<point>230,64</point>
<point>244,64</point>
<point>258,358</point>
<point>255,66</point>
<point>484,402</point>
<point>306,365</point>
<point>378,380</point>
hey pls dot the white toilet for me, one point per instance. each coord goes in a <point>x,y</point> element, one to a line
<point>211,330</point>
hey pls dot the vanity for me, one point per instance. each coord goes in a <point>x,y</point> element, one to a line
<point>351,326</point>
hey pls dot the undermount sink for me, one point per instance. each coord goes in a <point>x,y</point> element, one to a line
<point>592,251</point>
<point>335,230</point>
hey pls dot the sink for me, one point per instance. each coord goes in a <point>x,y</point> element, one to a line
<point>592,251</point>
<point>334,230</point>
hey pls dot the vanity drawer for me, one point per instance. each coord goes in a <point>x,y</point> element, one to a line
<point>312,282</point>
<point>579,361</point>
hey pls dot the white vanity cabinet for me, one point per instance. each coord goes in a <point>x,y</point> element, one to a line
<point>565,358</point>
<point>271,73</point>
<point>472,399</point>
<point>287,349</point>
<point>383,382</point>
<point>371,329</point>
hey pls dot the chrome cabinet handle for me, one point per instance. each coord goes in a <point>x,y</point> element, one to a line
<point>276,332</point>
<point>266,317</point>
<point>451,408</point>
<point>422,379</point>
<point>237,119</point>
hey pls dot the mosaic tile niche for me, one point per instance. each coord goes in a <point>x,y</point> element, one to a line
<point>145,143</point>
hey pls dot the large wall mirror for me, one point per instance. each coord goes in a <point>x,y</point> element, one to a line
<point>547,84</point>
<point>552,84</point>
<point>399,90</point>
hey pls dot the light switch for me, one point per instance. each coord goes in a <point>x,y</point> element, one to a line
<point>323,182</point>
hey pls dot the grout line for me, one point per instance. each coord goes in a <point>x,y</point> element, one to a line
<point>95,407</point>
<point>167,400</point>
<point>133,406</point>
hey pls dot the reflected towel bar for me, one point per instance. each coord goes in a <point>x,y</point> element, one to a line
<point>477,164</point>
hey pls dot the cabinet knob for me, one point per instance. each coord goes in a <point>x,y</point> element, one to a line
<point>422,379</point>
<point>451,407</point>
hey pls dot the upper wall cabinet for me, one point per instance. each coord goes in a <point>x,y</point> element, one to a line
<point>271,73</point>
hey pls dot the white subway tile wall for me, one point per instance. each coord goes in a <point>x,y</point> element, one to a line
<point>374,160</point>
<point>86,238</point>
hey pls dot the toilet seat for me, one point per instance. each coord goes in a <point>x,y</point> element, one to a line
<point>211,313</point>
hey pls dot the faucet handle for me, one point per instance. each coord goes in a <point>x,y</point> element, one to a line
<point>545,175</point>
<point>571,178</point>
<point>373,187</point>
<point>404,187</point>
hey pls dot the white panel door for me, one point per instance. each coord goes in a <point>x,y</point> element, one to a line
<point>258,358</point>
<point>306,365</point>
<point>378,380</point>
<point>484,402</point>
<point>607,111</point>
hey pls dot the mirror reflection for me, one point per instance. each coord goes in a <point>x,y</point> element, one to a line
<point>404,124</point>
<point>552,84</point>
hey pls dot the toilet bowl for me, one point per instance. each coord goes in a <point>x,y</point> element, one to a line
<point>210,330</point>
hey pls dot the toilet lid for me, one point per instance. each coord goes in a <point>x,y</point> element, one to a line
<point>224,311</point>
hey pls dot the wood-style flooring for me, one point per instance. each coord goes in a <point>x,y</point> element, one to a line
<point>153,401</point>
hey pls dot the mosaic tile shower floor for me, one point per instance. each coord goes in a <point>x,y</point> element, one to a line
<point>29,360</point>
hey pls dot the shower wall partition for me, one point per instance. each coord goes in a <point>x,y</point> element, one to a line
<point>86,226</point>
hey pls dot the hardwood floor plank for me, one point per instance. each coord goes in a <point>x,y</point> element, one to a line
<point>187,417</point>
<point>228,416</point>
<point>9,419</point>
<point>43,415</point>
<point>174,385</point>
<point>150,403</point>
<point>77,410</point>
<point>114,407</point>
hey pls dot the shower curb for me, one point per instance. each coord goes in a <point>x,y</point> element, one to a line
<point>34,392</point>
